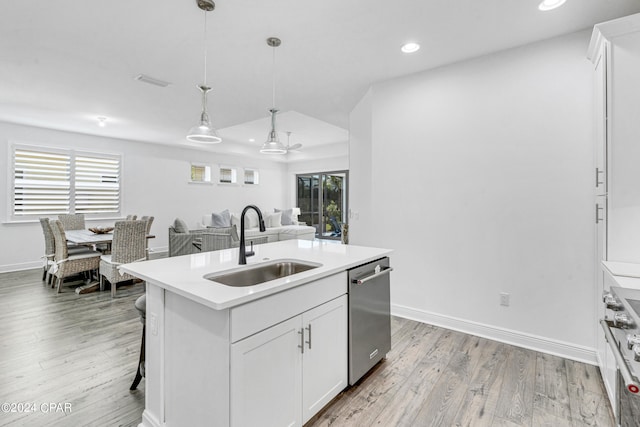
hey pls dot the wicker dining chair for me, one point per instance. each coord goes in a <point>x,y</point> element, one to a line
<point>50,248</point>
<point>149,220</point>
<point>131,217</point>
<point>129,245</point>
<point>72,221</point>
<point>67,264</point>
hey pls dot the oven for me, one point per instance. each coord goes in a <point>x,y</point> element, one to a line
<point>622,331</point>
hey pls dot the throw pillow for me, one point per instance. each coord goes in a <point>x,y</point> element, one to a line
<point>273,219</point>
<point>287,215</point>
<point>180,226</point>
<point>235,220</point>
<point>222,219</point>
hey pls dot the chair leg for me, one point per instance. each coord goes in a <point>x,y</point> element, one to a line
<point>60,282</point>
<point>139,375</point>
<point>44,273</point>
<point>113,289</point>
<point>101,282</point>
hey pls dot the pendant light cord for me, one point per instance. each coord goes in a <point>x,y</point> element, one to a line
<point>204,43</point>
<point>273,95</point>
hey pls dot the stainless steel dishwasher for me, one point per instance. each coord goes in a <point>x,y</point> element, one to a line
<point>369,317</point>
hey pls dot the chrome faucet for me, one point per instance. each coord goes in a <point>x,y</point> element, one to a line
<point>243,253</point>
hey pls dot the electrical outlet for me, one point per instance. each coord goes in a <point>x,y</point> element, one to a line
<point>504,299</point>
<point>153,320</point>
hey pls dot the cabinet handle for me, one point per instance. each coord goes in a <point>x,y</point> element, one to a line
<point>309,329</point>
<point>301,346</point>
<point>598,182</point>
<point>598,209</point>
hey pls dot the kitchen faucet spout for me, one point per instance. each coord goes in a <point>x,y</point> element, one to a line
<point>243,252</point>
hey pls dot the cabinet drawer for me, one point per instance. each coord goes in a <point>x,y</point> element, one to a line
<point>257,315</point>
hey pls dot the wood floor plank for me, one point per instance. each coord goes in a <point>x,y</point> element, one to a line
<point>481,401</point>
<point>403,408</point>
<point>515,403</point>
<point>589,402</point>
<point>551,400</point>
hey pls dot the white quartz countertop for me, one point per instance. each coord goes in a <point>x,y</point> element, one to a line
<point>183,275</point>
<point>626,275</point>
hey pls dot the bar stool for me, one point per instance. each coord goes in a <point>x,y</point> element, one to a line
<point>141,306</point>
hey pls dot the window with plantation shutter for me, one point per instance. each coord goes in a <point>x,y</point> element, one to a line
<point>97,184</point>
<point>48,182</point>
<point>42,182</point>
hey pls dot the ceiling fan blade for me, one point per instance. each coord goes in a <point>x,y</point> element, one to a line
<point>294,147</point>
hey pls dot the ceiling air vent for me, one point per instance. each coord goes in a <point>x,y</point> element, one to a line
<point>151,80</point>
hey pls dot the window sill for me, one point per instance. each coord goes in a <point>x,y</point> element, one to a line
<point>200,182</point>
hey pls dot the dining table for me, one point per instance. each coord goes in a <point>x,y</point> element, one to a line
<point>90,238</point>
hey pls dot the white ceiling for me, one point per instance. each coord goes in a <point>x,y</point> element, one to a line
<point>65,62</point>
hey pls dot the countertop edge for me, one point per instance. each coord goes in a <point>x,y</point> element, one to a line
<point>240,300</point>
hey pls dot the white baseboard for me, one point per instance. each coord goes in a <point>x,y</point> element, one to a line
<point>149,420</point>
<point>155,253</point>
<point>6,268</point>
<point>507,336</point>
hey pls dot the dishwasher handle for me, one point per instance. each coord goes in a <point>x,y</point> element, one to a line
<point>382,272</point>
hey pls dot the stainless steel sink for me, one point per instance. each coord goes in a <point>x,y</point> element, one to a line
<point>264,272</point>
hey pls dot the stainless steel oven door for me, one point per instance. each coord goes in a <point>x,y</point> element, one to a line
<point>628,405</point>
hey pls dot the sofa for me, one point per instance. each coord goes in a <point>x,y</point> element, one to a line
<point>280,224</point>
<point>221,231</point>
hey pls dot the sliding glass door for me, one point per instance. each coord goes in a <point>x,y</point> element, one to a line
<point>322,199</point>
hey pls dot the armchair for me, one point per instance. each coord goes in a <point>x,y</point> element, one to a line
<point>200,240</point>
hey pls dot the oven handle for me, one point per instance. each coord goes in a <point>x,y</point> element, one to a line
<point>630,383</point>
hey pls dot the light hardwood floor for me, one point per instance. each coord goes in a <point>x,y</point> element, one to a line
<point>83,350</point>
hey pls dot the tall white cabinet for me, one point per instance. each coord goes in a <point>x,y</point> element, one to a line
<point>615,53</point>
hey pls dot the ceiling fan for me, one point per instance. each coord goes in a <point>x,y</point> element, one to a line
<point>294,147</point>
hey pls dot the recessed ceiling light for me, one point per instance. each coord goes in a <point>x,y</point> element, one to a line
<point>252,140</point>
<point>102,121</point>
<point>550,4</point>
<point>410,47</point>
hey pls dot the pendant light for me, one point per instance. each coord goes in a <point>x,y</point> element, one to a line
<point>273,144</point>
<point>203,131</point>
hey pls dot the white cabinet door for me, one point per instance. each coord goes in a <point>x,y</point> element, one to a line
<point>601,112</point>
<point>324,361</point>
<point>266,377</point>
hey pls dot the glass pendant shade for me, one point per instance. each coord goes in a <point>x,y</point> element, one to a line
<point>273,145</point>
<point>203,132</point>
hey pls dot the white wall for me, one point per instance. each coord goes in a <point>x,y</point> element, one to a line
<point>362,229</point>
<point>154,181</point>
<point>482,182</point>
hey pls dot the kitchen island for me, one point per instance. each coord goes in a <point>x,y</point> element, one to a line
<point>274,353</point>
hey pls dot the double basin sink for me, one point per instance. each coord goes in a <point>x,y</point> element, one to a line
<point>263,272</point>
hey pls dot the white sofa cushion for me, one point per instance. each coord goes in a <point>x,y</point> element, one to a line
<point>273,234</point>
<point>290,232</point>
